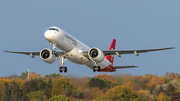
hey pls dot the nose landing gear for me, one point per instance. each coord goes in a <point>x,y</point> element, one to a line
<point>62,58</point>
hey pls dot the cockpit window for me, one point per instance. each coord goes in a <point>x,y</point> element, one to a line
<point>53,29</point>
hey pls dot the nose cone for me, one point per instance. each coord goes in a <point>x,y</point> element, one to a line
<point>49,35</point>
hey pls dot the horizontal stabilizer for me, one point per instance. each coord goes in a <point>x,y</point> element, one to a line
<point>121,67</point>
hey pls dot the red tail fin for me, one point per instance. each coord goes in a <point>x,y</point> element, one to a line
<point>112,47</point>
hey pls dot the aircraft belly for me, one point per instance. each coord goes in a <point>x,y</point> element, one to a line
<point>102,64</point>
<point>76,57</point>
<point>78,61</point>
<point>64,45</point>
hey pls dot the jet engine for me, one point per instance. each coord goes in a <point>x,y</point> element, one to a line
<point>96,54</point>
<point>47,56</point>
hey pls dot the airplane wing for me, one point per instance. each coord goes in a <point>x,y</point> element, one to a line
<point>119,52</point>
<point>121,67</point>
<point>33,53</point>
<point>27,53</point>
<point>106,52</point>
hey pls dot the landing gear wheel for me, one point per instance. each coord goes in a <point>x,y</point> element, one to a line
<point>62,60</point>
<point>96,68</point>
<point>65,69</point>
<point>60,69</point>
<point>54,52</point>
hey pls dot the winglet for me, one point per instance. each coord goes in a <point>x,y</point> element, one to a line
<point>110,58</point>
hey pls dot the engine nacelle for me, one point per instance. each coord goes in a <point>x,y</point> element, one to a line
<point>96,54</point>
<point>47,56</point>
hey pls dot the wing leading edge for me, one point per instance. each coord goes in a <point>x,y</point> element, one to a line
<point>27,53</point>
<point>119,52</point>
<point>33,53</point>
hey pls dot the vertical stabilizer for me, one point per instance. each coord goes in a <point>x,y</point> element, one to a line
<point>110,58</point>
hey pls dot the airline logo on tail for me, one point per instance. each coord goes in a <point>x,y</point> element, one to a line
<point>110,58</point>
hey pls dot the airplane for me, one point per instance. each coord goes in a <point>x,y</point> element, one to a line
<point>79,53</point>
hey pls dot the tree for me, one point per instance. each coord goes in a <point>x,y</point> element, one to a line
<point>87,95</point>
<point>48,88</point>
<point>36,94</point>
<point>143,95</point>
<point>44,98</point>
<point>109,80</point>
<point>33,99</point>
<point>24,75</point>
<point>81,84</point>
<point>155,91</point>
<point>106,77</point>
<point>59,98</point>
<point>13,76</point>
<point>163,97</point>
<point>95,82</point>
<point>175,83</point>
<point>169,90</point>
<point>26,87</point>
<point>54,75</point>
<point>164,86</point>
<point>47,76</point>
<point>16,92</point>
<point>175,96</point>
<point>59,86</point>
<point>120,93</point>
<point>42,85</point>
<point>25,98</point>
<point>20,83</point>
<point>69,91</point>
<point>6,92</point>
<point>33,85</point>
<point>95,92</point>
<point>141,98</point>
<point>80,95</point>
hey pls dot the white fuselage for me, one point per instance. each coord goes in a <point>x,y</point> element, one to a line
<point>72,47</point>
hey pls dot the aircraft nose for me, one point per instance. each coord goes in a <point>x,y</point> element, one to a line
<point>49,35</point>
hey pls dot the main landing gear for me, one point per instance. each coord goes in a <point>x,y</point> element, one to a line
<point>62,68</point>
<point>62,58</point>
<point>96,67</point>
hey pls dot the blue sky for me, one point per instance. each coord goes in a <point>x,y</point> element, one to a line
<point>135,24</point>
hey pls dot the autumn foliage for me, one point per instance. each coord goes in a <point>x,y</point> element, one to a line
<point>101,87</point>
